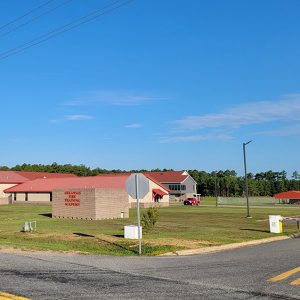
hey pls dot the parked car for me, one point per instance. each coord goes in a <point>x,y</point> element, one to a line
<point>191,201</point>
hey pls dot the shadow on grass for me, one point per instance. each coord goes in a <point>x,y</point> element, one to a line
<point>258,230</point>
<point>295,235</point>
<point>118,235</point>
<point>110,243</point>
<point>83,234</point>
<point>48,215</point>
<point>124,247</point>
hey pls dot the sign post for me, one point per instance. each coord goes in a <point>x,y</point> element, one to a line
<point>137,186</point>
<point>138,213</point>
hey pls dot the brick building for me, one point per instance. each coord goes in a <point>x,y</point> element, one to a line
<point>10,179</point>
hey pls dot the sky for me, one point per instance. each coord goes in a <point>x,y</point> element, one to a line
<point>152,84</point>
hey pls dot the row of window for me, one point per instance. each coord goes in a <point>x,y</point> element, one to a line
<point>177,187</point>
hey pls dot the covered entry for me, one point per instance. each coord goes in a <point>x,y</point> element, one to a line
<point>157,194</point>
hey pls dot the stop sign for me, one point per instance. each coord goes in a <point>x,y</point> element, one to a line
<point>137,186</point>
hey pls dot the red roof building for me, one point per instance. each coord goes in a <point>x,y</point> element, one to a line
<point>179,183</point>
<point>15,177</point>
<point>47,185</point>
<point>169,176</point>
<point>292,196</point>
<point>9,179</point>
<point>128,174</point>
<point>288,195</point>
<point>41,189</point>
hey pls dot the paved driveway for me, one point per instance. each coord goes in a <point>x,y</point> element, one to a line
<point>268,271</point>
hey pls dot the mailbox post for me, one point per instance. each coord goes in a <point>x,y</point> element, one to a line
<point>137,186</point>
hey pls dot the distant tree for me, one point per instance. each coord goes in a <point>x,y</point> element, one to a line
<point>4,168</point>
<point>295,175</point>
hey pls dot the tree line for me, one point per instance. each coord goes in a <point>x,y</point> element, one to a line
<point>79,170</point>
<point>229,184</point>
<point>217,183</point>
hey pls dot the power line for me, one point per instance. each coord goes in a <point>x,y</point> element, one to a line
<point>26,14</point>
<point>35,18</point>
<point>76,23</point>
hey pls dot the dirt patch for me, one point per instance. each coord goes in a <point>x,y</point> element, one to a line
<point>55,236</point>
<point>189,244</point>
<point>102,238</point>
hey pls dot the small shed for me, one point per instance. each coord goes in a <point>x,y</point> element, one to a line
<point>291,197</point>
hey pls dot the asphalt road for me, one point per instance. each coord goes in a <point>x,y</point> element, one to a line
<point>236,274</point>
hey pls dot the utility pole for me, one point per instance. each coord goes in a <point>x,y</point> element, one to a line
<point>216,189</point>
<point>246,179</point>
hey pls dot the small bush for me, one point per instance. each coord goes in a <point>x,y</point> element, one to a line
<point>149,218</point>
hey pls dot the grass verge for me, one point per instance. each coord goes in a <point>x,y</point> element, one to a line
<point>178,228</point>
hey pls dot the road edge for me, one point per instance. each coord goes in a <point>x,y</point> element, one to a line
<point>215,249</point>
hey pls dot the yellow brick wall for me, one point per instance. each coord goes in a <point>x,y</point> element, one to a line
<point>93,204</point>
<point>111,203</point>
<point>65,207</point>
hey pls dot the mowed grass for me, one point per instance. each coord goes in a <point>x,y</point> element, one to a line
<point>179,227</point>
<point>241,201</point>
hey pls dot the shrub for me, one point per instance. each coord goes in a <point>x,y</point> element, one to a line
<point>149,218</point>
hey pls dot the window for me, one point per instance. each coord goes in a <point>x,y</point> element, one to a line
<point>183,187</point>
<point>174,187</point>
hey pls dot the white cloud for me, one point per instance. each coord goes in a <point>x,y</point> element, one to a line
<point>287,109</point>
<point>195,138</point>
<point>134,125</point>
<point>78,117</point>
<point>113,98</point>
<point>283,131</point>
<point>74,117</point>
<point>54,121</point>
<point>222,126</point>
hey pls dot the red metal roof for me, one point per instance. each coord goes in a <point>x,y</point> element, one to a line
<point>288,195</point>
<point>148,175</point>
<point>168,176</point>
<point>7,177</point>
<point>47,185</point>
<point>157,182</point>
<point>35,175</point>
<point>159,192</point>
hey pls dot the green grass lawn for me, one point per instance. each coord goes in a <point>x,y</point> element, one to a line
<point>208,200</point>
<point>179,227</point>
<point>240,201</point>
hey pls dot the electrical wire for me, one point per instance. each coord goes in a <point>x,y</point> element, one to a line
<point>74,24</point>
<point>35,18</point>
<point>26,14</point>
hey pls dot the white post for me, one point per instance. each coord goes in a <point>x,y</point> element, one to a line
<point>138,213</point>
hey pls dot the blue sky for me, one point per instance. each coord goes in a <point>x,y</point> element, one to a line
<point>153,84</point>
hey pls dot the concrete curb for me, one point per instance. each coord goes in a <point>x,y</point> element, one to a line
<point>204,250</point>
<point>226,247</point>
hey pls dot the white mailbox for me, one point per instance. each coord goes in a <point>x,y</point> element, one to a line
<point>131,232</point>
<point>275,224</point>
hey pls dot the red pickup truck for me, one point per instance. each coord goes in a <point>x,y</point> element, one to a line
<point>191,201</point>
